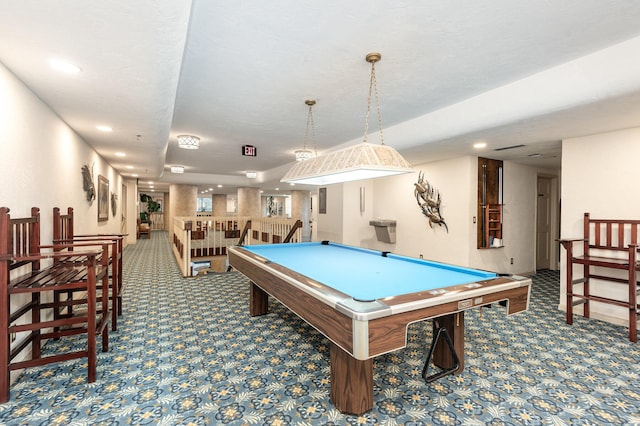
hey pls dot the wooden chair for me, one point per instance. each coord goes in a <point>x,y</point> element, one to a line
<point>29,272</point>
<point>607,245</point>
<point>63,232</point>
<point>143,228</point>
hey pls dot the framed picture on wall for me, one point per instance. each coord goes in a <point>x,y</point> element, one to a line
<point>322,200</point>
<point>103,199</point>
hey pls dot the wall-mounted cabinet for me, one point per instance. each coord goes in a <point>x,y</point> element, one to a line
<point>490,203</point>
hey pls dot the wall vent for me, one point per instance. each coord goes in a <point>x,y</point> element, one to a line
<point>509,147</point>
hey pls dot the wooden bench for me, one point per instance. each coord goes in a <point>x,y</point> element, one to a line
<point>607,245</point>
<point>29,272</point>
<point>63,232</point>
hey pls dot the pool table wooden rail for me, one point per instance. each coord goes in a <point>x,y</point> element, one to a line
<point>320,316</point>
<point>390,333</point>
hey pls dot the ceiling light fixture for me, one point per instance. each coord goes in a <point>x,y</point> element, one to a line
<point>305,154</point>
<point>103,128</point>
<point>188,142</point>
<point>252,175</point>
<point>362,161</point>
<point>177,169</point>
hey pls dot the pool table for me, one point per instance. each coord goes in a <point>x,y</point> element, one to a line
<point>363,300</point>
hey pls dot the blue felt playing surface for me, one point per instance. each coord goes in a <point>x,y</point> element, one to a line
<point>365,274</point>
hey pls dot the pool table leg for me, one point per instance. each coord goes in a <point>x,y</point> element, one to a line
<point>454,324</point>
<point>351,382</point>
<point>258,300</point>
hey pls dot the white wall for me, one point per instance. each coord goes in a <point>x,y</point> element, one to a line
<point>395,199</point>
<point>599,176</point>
<point>42,159</point>
<point>330,224</point>
<point>356,229</point>
<point>456,180</point>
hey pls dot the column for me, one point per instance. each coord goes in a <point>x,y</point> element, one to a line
<point>249,202</point>
<point>219,205</point>
<point>183,202</point>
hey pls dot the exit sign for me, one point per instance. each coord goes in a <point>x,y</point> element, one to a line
<point>249,150</point>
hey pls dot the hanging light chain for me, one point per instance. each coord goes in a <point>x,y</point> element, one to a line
<point>311,103</point>
<point>373,84</point>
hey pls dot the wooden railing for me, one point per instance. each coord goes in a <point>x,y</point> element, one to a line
<point>206,238</point>
<point>157,221</point>
<point>270,230</point>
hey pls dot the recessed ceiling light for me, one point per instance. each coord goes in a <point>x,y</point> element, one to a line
<point>177,169</point>
<point>129,167</point>
<point>479,145</point>
<point>219,186</point>
<point>135,175</point>
<point>104,128</point>
<point>64,66</point>
<point>120,154</point>
<point>252,175</point>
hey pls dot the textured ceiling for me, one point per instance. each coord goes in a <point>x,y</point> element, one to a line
<point>238,72</point>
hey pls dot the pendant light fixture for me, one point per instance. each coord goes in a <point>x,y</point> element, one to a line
<point>362,161</point>
<point>305,154</point>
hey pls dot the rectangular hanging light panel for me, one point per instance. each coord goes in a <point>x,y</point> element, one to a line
<point>362,161</point>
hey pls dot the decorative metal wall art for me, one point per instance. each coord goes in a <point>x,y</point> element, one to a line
<point>87,183</point>
<point>271,207</point>
<point>428,199</point>
<point>114,203</point>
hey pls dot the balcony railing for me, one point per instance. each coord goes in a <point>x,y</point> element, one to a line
<point>203,240</point>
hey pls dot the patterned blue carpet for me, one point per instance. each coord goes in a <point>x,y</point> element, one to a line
<point>187,353</point>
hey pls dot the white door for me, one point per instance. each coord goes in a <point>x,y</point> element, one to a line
<point>543,224</point>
